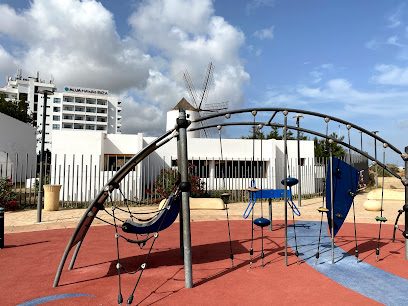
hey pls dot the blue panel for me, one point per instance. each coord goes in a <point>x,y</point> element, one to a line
<point>272,194</point>
<point>345,179</point>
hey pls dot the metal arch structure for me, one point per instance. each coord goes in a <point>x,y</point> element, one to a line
<point>180,130</point>
<point>327,118</point>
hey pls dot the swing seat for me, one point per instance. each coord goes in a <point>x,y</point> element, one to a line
<point>161,221</point>
<point>323,209</point>
<point>262,222</point>
<point>290,181</point>
<point>381,219</point>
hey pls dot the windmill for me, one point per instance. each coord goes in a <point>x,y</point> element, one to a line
<point>200,104</point>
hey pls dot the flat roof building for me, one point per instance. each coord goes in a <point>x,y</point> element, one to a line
<point>74,108</point>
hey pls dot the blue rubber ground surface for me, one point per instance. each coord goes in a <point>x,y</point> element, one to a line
<point>361,277</point>
<point>50,298</point>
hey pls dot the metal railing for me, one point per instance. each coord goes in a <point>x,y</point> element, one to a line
<point>83,176</point>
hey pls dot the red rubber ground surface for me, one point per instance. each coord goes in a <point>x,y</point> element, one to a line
<point>29,262</point>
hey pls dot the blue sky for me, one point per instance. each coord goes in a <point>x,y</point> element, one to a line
<point>344,58</point>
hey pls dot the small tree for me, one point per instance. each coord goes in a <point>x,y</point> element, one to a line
<point>17,109</point>
<point>321,147</point>
<point>257,133</point>
<point>165,184</point>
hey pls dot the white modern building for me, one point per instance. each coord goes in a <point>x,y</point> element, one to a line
<point>74,108</point>
<point>82,165</point>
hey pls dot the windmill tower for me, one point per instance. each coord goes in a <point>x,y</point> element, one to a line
<point>201,107</point>
<point>191,113</point>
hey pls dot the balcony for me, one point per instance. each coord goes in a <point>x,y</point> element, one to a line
<point>69,99</point>
<point>102,103</point>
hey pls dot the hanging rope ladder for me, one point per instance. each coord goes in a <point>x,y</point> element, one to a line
<point>352,194</point>
<point>225,198</point>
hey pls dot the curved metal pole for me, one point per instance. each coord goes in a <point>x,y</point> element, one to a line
<point>309,132</point>
<point>291,110</point>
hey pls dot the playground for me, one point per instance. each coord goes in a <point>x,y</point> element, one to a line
<point>327,248</point>
<point>33,251</point>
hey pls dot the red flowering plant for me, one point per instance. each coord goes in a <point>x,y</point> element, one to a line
<point>8,198</point>
<point>165,184</point>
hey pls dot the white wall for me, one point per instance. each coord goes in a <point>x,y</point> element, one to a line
<point>17,138</point>
<point>94,144</point>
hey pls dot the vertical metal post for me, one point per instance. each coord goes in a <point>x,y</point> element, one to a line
<point>361,140</point>
<point>405,208</point>
<point>331,198</point>
<point>375,155</point>
<point>185,194</point>
<point>298,117</point>
<point>44,117</point>
<point>285,174</point>
<point>1,228</point>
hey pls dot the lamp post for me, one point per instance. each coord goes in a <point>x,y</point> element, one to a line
<point>298,117</point>
<point>44,117</point>
<point>375,155</point>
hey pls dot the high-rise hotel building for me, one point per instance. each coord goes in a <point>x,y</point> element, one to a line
<point>74,108</point>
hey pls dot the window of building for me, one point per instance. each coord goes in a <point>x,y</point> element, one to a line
<point>68,108</point>
<point>55,109</point>
<point>79,118</point>
<point>56,118</point>
<point>227,169</point>
<point>55,126</point>
<point>90,127</point>
<point>79,109</point>
<point>101,119</point>
<point>68,99</point>
<point>90,101</point>
<point>78,127</point>
<point>90,110</point>
<point>100,128</point>
<point>101,102</point>
<point>101,111</point>
<point>90,118</point>
<point>57,100</point>
<point>67,126</point>
<point>79,100</point>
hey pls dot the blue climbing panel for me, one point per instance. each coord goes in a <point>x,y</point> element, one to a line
<point>343,183</point>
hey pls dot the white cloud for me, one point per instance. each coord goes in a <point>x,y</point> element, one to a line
<point>394,20</point>
<point>391,75</point>
<point>340,94</point>
<point>267,33</point>
<point>255,4</point>
<point>318,72</point>
<point>77,42</point>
